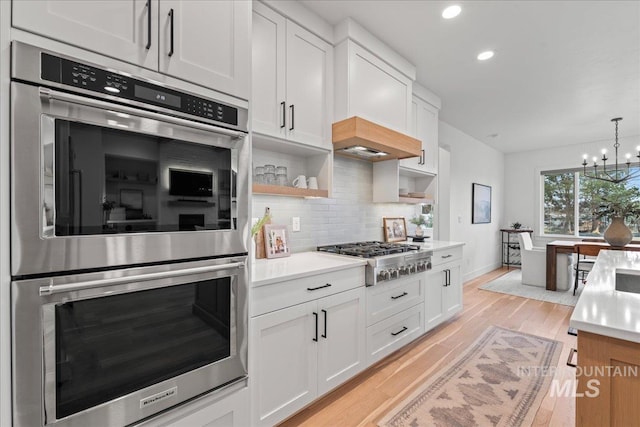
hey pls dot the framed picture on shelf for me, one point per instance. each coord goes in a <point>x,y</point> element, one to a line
<point>276,241</point>
<point>395,229</point>
<point>480,204</point>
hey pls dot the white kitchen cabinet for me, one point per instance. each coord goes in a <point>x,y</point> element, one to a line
<point>425,128</point>
<point>368,87</point>
<point>302,352</point>
<point>206,42</point>
<point>292,79</point>
<point>210,39</point>
<point>443,294</point>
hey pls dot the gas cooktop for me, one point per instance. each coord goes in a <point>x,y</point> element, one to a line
<point>385,261</point>
<point>370,249</point>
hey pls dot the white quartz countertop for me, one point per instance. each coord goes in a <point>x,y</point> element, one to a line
<point>603,310</point>
<point>268,271</point>
<point>436,245</point>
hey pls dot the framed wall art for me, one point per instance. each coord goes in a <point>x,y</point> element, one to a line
<point>395,229</point>
<point>276,241</point>
<point>480,204</point>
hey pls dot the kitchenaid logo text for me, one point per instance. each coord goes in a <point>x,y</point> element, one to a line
<point>158,397</point>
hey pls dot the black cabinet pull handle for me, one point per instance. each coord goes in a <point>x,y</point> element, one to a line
<point>404,328</point>
<point>400,296</point>
<point>446,256</point>
<point>448,277</point>
<point>422,158</point>
<point>328,285</point>
<point>148,46</point>
<point>171,33</point>
<point>316,317</point>
<point>325,324</point>
<point>571,353</point>
<point>284,114</point>
<point>293,109</point>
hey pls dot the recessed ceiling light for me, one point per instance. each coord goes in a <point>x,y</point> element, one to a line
<point>485,55</point>
<point>451,12</point>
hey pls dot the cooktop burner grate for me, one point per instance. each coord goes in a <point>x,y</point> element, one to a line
<point>370,249</point>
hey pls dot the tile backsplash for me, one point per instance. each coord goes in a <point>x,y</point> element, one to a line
<point>349,216</point>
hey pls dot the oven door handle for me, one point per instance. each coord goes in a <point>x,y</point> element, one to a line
<point>56,289</point>
<point>47,93</point>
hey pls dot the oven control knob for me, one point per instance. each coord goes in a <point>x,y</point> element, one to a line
<point>412,268</point>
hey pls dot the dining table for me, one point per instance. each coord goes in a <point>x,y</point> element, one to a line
<point>568,247</point>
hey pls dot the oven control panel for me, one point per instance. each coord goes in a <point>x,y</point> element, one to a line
<point>94,79</point>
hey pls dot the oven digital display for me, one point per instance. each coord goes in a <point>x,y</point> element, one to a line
<point>157,96</point>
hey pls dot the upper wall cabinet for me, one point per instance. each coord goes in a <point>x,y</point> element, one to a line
<point>202,42</point>
<point>425,128</point>
<point>367,87</point>
<point>292,80</point>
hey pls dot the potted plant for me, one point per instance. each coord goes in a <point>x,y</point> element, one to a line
<point>618,207</point>
<point>420,222</point>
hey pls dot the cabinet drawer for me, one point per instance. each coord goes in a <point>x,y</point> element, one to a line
<point>446,255</point>
<point>390,334</point>
<point>385,300</point>
<point>267,298</point>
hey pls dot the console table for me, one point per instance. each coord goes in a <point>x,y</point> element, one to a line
<point>509,244</point>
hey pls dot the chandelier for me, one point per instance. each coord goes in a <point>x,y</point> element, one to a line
<point>616,174</point>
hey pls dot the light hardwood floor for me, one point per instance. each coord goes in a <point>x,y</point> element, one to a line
<point>365,399</point>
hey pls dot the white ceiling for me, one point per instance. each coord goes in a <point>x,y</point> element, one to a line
<point>562,69</point>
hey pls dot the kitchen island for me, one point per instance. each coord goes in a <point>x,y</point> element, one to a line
<point>608,324</point>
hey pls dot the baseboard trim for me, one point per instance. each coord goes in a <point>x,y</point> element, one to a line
<point>479,272</point>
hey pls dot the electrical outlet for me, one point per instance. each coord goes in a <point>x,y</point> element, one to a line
<point>459,219</point>
<point>295,223</point>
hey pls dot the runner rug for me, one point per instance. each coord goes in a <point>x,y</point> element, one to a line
<point>496,382</point>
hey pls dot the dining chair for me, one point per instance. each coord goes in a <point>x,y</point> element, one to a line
<point>532,262</point>
<point>583,266</point>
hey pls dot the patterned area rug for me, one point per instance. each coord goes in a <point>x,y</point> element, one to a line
<point>488,385</point>
<point>511,283</point>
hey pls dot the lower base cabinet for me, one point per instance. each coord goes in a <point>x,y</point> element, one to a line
<point>443,294</point>
<point>301,352</point>
<point>227,408</point>
<point>394,332</point>
<point>608,387</point>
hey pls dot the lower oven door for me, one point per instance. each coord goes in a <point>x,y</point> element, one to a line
<point>115,347</point>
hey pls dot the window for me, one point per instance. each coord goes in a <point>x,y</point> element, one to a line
<point>572,202</point>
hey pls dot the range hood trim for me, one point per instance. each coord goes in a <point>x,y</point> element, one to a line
<point>356,131</point>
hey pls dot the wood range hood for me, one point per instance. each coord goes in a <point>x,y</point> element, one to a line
<point>361,139</point>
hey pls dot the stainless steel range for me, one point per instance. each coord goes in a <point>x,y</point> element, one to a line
<point>385,261</point>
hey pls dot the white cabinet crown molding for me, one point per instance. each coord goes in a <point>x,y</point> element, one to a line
<point>298,13</point>
<point>426,95</point>
<point>350,29</point>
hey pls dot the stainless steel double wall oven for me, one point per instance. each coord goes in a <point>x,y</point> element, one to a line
<point>129,206</point>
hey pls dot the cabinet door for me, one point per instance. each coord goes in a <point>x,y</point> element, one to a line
<point>119,29</point>
<point>309,87</point>
<point>210,43</point>
<point>425,128</point>
<point>377,91</point>
<point>283,366</point>
<point>452,296</point>
<point>341,349</point>
<point>268,53</point>
<point>433,304</point>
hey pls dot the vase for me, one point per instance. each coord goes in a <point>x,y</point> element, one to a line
<point>419,231</point>
<point>617,234</point>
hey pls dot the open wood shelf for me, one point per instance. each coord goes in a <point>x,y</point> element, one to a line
<point>416,200</point>
<point>279,190</point>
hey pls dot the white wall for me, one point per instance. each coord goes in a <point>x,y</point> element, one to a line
<point>473,161</point>
<point>523,192</point>
<point>347,217</point>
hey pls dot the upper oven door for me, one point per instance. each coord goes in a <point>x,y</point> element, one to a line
<point>98,184</point>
